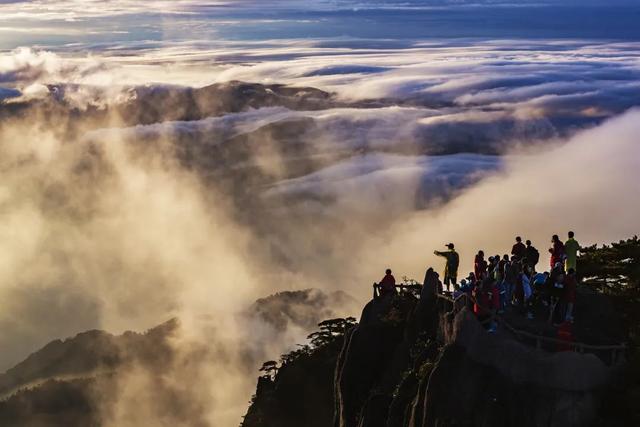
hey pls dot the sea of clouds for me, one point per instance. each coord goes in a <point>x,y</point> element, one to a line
<point>471,140</point>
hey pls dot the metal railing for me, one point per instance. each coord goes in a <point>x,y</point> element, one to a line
<point>616,351</point>
<point>402,287</point>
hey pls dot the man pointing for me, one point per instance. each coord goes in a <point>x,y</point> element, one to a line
<point>451,269</point>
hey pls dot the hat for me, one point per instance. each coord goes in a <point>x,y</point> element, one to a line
<point>450,245</point>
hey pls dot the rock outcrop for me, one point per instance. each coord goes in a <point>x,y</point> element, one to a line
<point>393,372</point>
<point>371,361</point>
<point>486,379</point>
<point>301,394</point>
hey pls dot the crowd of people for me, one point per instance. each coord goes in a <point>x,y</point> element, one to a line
<point>511,282</point>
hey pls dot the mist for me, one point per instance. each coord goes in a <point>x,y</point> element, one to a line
<point>585,185</point>
<point>97,236</point>
<point>125,203</point>
<point>100,232</point>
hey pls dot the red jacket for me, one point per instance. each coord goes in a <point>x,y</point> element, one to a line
<point>481,306</point>
<point>557,253</point>
<point>388,283</point>
<point>480,268</point>
<point>487,299</point>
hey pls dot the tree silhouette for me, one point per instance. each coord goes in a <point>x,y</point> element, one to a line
<point>295,354</point>
<point>270,369</point>
<point>618,265</point>
<point>330,330</point>
<point>615,270</point>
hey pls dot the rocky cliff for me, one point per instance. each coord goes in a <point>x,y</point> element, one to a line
<point>417,362</point>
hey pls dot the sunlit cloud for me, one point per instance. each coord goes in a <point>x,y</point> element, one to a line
<point>70,10</point>
<point>509,75</point>
<point>111,221</point>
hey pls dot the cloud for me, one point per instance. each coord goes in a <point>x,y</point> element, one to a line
<point>572,81</point>
<point>391,183</point>
<point>6,93</point>
<point>583,185</point>
<point>70,10</point>
<point>67,23</point>
<point>24,67</point>
<point>427,142</point>
<point>576,80</point>
<point>97,232</point>
<point>150,243</point>
<point>89,8</point>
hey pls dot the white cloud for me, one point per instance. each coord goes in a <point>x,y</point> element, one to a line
<point>585,185</point>
<point>46,10</point>
<point>390,183</point>
<point>522,76</point>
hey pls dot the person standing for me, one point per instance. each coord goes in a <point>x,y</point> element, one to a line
<point>511,275</point>
<point>480,266</point>
<point>486,301</point>
<point>451,268</point>
<point>532,255</point>
<point>570,291</point>
<point>556,251</point>
<point>571,249</point>
<point>557,311</point>
<point>519,250</point>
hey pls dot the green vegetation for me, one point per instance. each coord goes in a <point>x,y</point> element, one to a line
<point>298,390</point>
<point>617,265</point>
<point>270,369</point>
<point>329,331</point>
<point>615,271</point>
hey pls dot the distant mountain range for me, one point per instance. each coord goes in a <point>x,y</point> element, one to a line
<point>68,382</point>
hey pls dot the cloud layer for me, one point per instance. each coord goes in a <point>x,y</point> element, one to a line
<point>109,224</point>
<point>550,84</point>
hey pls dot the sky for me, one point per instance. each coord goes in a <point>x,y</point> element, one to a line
<point>470,121</point>
<point>105,22</point>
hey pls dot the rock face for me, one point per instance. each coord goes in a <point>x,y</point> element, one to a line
<point>417,362</point>
<point>300,395</point>
<point>371,362</point>
<point>392,373</point>
<point>483,379</point>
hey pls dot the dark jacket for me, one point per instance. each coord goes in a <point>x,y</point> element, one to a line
<point>533,256</point>
<point>519,250</point>
<point>453,259</point>
<point>388,283</point>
